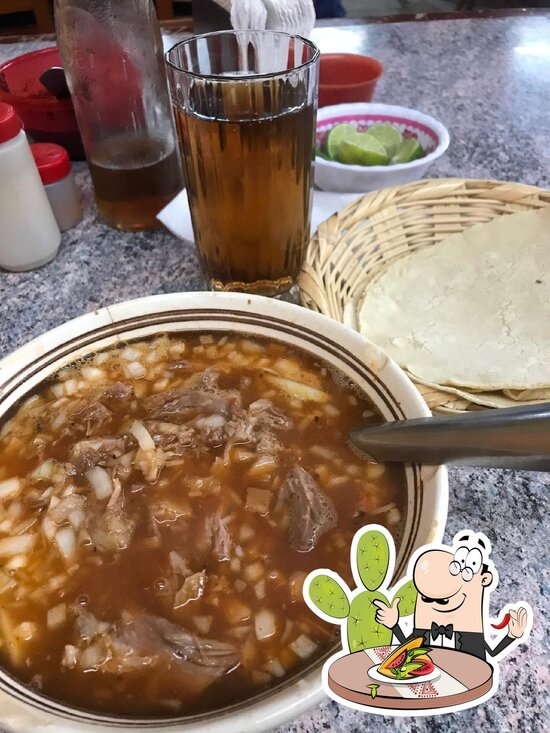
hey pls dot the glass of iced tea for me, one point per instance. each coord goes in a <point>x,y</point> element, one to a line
<point>245,105</point>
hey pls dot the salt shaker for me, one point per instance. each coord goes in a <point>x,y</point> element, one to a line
<point>55,170</point>
<point>29,235</point>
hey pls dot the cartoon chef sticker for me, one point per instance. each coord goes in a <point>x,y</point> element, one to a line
<point>441,661</point>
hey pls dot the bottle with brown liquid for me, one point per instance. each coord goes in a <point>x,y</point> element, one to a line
<point>113,59</point>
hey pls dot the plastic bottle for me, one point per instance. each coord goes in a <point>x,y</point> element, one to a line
<point>54,167</point>
<point>113,59</point>
<point>29,235</point>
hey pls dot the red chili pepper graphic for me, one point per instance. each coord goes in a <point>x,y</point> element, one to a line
<point>505,621</point>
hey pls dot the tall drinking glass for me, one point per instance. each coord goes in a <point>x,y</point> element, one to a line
<point>246,105</point>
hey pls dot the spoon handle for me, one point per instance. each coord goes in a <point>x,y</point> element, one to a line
<point>515,437</point>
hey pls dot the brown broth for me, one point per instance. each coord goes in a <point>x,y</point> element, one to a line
<point>262,572</point>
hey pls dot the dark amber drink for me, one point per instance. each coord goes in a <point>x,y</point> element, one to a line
<point>247,140</point>
<point>134,178</point>
<point>249,186</point>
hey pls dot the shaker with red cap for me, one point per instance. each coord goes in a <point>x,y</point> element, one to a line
<point>29,235</point>
<point>55,170</point>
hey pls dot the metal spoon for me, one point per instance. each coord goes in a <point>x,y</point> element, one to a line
<point>515,437</point>
<point>55,82</point>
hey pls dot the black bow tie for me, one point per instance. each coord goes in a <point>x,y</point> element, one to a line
<point>441,631</point>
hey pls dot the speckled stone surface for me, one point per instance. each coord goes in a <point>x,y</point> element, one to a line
<point>489,82</point>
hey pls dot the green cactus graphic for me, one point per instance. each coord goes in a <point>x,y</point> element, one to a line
<point>407,598</point>
<point>373,558</point>
<point>373,564</point>
<point>363,631</point>
<point>329,596</point>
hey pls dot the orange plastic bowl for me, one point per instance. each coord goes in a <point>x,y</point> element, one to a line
<point>347,77</point>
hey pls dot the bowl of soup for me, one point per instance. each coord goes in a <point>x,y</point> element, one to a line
<point>171,469</point>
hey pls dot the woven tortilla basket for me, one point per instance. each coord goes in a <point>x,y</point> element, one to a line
<point>355,245</point>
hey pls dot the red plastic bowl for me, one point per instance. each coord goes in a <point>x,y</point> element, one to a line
<point>347,77</point>
<point>45,118</point>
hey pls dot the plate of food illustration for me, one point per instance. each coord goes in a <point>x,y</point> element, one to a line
<point>409,664</point>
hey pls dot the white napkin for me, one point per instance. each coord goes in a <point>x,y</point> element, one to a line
<point>177,218</point>
<point>290,16</point>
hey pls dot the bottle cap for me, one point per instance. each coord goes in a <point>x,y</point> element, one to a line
<point>52,161</point>
<point>10,124</point>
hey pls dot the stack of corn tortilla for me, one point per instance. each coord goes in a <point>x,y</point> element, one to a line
<point>469,317</point>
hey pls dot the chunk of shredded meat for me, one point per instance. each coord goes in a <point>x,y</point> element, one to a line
<point>142,639</point>
<point>117,392</point>
<point>312,512</point>
<point>96,452</point>
<point>145,634</point>
<point>173,439</point>
<point>181,404</point>
<point>88,417</point>
<point>217,533</point>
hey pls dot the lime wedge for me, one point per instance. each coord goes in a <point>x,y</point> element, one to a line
<point>388,135</point>
<point>362,149</point>
<point>335,136</point>
<point>410,149</point>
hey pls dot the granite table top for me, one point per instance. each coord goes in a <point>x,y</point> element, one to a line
<point>488,81</point>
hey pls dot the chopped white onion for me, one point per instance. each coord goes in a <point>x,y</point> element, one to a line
<point>254,571</point>
<point>130,353</point>
<point>100,481</point>
<point>260,405</point>
<point>65,540</point>
<point>9,488</point>
<point>258,500</point>
<point>101,358</point>
<point>264,464</point>
<point>178,564</point>
<point>14,563</point>
<point>375,470</point>
<point>70,656</point>
<point>265,624</point>
<point>49,528</point>
<point>298,389</point>
<point>331,411</point>
<point>92,374</point>
<point>259,677</point>
<point>14,510</point>
<point>76,517</point>
<point>16,545</point>
<point>6,583</point>
<point>212,421</point>
<point>322,452</point>
<point>259,590</point>
<point>143,436</point>
<point>135,370</point>
<point>275,668</point>
<point>56,616</point>
<point>235,564</point>
<point>58,389</point>
<point>71,386</point>
<point>25,631</point>
<point>303,646</point>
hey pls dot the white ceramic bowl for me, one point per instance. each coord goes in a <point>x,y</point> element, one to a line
<point>24,710</point>
<point>333,176</point>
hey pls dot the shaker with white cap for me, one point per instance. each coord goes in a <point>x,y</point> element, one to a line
<point>29,235</point>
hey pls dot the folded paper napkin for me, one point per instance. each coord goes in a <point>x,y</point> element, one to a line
<point>177,218</point>
<point>290,16</point>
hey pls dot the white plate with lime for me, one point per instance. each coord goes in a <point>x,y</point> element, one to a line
<point>364,147</point>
